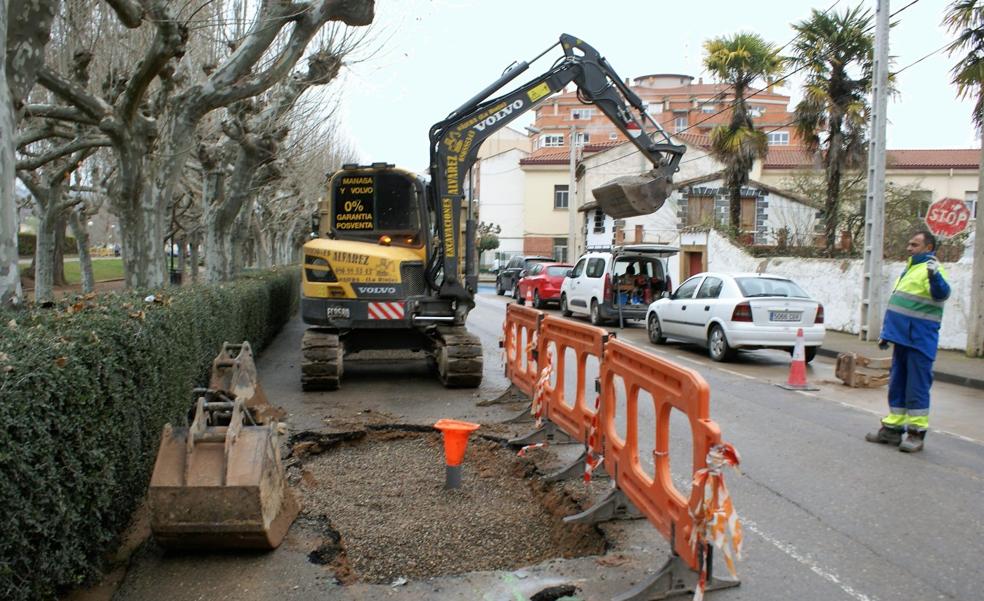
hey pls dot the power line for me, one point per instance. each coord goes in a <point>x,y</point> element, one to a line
<point>781,79</point>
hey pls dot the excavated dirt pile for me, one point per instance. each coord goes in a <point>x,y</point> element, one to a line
<point>375,509</point>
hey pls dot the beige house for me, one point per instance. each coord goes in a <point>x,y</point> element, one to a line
<point>940,173</point>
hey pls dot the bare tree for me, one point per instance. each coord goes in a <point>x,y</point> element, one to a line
<point>25,26</point>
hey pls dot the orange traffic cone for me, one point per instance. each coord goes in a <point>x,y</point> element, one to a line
<point>456,435</point>
<point>797,369</point>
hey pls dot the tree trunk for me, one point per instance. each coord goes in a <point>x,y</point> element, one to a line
<point>44,253</point>
<point>58,264</point>
<point>975,321</point>
<point>10,285</point>
<point>218,252</point>
<point>81,232</point>
<point>183,247</point>
<point>735,208</point>
<point>195,243</point>
<point>831,215</point>
<point>142,234</point>
<point>262,245</point>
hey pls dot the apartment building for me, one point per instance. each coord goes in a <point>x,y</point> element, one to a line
<point>674,101</point>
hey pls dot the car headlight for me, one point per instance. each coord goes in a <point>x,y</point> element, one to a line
<point>317,269</point>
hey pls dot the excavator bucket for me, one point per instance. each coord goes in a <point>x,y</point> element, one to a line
<point>220,486</point>
<point>632,195</point>
<point>234,372</point>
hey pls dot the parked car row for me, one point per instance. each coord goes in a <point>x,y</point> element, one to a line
<point>724,311</point>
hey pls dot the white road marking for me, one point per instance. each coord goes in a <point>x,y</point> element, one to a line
<point>816,568</point>
<point>735,373</point>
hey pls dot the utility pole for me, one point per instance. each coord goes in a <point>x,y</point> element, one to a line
<point>571,204</point>
<point>872,295</point>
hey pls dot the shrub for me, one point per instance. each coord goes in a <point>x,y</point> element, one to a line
<point>86,387</point>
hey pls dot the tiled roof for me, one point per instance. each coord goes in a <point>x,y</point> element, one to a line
<point>557,156</point>
<point>790,157</point>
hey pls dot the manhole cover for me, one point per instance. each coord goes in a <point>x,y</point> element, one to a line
<point>376,510</point>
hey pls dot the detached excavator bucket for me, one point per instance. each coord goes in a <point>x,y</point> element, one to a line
<point>633,195</point>
<point>219,486</point>
<point>234,372</point>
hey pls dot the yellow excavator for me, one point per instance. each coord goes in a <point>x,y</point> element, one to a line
<point>394,264</point>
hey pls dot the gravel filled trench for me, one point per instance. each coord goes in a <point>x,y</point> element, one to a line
<point>380,511</point>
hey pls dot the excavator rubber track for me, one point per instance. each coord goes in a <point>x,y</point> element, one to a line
<point>321,363</point>
<point>458,355</point>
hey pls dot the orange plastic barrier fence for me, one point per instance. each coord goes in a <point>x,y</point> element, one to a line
<point>519,331</point>
<point>671,387</point>
<point>573,416</point>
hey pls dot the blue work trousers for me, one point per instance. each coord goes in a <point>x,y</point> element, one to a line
<point>909,382</point>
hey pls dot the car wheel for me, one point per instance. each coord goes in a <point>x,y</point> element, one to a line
<point>498,287</point>
<point>655,330</point>
<point>811,352</point>
<point>563,306</point>
<point>717,345</point>
<point>596,319</point>
<point>537,301</point>
<point>516,295</point>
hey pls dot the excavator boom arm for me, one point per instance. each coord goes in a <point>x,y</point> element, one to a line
<point>455,142</point>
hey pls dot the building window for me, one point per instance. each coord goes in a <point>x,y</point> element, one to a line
<point>580,114</point>
<point>778,138</point>
<point>599,221</point>
<point>710,107</point>
<point>560,197</point>
<point>680,123</point>
<point>700,210</point>
<point>747,214</point>
<point>560,250</point>
<point>924,198</point>
<point>551,140</point>
<point>756,110</point>
<point>970,198</point>
<point>613,136</point>
<point>581,138</point>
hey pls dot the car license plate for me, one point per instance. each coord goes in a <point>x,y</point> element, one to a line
<point>785,315</point>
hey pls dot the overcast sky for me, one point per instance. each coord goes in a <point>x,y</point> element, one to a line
<point>432,55</point>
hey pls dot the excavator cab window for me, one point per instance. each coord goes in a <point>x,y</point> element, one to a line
<point>368,205</point>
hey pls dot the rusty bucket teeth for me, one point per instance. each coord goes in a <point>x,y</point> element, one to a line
<point>633,195</point>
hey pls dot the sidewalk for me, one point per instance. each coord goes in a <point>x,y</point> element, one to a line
<point>953,367</point>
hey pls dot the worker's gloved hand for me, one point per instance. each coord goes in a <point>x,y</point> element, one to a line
<point>932,265</point>
<point>882,345</point>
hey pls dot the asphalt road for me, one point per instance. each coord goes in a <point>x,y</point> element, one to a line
<point>827,515</point>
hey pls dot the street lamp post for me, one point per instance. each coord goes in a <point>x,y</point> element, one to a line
<point>571,197</point>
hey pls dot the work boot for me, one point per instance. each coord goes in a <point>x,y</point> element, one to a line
<point>913,442</point>
<point>885,435</point>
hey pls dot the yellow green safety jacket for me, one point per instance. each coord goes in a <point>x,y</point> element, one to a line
<point>915,309</point>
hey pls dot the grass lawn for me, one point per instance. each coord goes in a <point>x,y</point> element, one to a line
<point>102,270</point>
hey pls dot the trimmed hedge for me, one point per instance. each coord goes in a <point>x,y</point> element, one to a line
<point>85,388</point>
<point>27,244</point>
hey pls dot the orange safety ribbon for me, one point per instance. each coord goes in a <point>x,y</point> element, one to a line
<point>592,461</point>
<point>529,447</point>
<point>714,518</point>
<point>540,387</point>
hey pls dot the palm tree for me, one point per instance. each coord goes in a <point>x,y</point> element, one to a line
<point>965,19</point>
<point>836,52</point>
<point>739,60</point>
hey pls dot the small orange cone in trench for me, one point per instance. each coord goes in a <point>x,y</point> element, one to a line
<point>456,435</point>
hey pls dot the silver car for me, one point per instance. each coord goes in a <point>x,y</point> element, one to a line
<point>731,311</point>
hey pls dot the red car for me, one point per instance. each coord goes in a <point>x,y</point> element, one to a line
<point>541,283</point>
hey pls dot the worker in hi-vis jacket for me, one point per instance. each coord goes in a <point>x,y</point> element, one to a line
<point>912,324</point>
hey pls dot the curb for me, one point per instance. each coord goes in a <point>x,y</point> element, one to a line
<point>939,376</point>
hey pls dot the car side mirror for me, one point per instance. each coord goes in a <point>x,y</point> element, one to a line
<point>522,273</point>
<point>570,273</point>
<point>666,295</point>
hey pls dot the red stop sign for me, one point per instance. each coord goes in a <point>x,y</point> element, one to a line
<point>947,217</point>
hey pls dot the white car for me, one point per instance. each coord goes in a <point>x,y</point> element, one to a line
<point>617,283</point>
<point>734,311</point>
